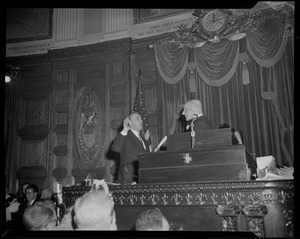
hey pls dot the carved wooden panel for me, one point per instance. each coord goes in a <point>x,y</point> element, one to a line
<point>61,118</point>
<point>61,129</point>
<point>34,82</point>
<point>60,173</point>
<point>116,70</point>
<point>34,111</point>
<point>62,139</point>
<point>33,132</point>
<point>60,150</point>
<point>36,77</point>
<point>118,112</point>
<point>89,128</point>
<point>61,160</point>
<point>40,93</point>
<point>93,74</point>
<point>118,93</point>
<point>62,96</point>
<point>62,77</point>
<point>34,153</point>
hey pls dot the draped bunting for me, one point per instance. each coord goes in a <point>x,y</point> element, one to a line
<point>267,44</point>
<point>216,63</point>
<point>171,62</point>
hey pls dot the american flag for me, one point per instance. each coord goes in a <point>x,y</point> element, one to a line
<point>139,107</point>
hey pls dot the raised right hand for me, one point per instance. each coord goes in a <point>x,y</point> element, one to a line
<point>126,124</point>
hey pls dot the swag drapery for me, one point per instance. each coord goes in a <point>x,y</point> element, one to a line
<point>248,84</point>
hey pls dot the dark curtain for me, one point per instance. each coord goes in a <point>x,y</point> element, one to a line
<point>267,124</point>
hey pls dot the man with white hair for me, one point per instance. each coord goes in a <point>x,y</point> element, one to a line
<point>95,210</point>
<point>47,194</point>
<point>193,112</point>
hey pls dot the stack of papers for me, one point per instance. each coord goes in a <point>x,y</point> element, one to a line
<point>267,170</point>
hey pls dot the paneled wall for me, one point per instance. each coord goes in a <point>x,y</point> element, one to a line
<point>72,105</point>
<point>31,149</point>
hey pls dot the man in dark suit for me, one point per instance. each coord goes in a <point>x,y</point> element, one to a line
<point>32,194</point>
<point>129,143</point>
<point>192,111</point>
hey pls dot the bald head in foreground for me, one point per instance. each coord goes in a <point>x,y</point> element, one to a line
<point>95,211</point>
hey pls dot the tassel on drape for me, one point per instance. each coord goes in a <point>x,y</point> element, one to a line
<point>245,74</point>
<point>244,58</point>
<point>192,79</point>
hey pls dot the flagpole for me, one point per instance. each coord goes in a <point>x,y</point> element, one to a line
<point>139,107</point>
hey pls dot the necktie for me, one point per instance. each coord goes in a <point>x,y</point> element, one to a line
<point>140,138</point>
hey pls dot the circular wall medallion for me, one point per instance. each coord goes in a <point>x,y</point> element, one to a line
<point>89,128</point>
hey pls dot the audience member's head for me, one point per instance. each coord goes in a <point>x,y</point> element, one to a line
<point>40,216</point>
<point>191,108</point>
<point>23,189</point>
<point>225,125</point>
<point>47,194</point>
<point>94,211</point>
<point>152,220</point>
<point>31,192</point>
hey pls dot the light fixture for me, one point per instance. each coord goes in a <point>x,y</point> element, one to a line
<point>11,73</point>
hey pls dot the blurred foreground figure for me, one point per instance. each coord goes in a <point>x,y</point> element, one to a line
<point>40,216</point>
<point>95,209</point>
<point>152,220</point>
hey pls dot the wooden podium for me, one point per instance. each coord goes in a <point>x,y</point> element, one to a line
<point>205,189</point>
<point>213,158</point>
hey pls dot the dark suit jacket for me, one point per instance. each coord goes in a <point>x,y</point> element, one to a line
<point>202,123</point>
<point>17,217</point>
<point>128,146</point>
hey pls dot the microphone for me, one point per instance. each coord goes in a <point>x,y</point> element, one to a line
<point>194,117</point>
<point>60,208</point>
<point>160,143</point>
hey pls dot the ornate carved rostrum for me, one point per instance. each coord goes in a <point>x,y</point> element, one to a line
<point>229,217</point>
<point>288,215</point>
<point>255,218</point>
<point>238,205</point>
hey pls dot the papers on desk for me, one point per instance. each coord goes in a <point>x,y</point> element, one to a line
<point>272,176</point>
<point>109,183</point>
<point>267,170</point>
